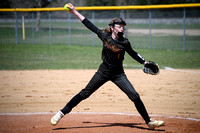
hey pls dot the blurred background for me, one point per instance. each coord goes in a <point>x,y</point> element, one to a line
<point>173,28</point>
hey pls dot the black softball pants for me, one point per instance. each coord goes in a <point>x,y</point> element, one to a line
<point>117,76</point>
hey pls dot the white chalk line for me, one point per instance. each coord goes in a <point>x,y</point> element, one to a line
<point>100,113</point>
<point>179,70</point>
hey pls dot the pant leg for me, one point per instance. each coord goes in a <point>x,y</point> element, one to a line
<point>124,84</point>
<point>97,81</point>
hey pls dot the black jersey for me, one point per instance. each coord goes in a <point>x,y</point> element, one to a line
<point>113,50</point>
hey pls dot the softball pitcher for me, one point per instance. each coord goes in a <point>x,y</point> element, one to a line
<point>111,69</point>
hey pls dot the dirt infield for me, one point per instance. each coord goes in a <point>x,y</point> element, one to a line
<point>92,123</point>
<point>171,93</point>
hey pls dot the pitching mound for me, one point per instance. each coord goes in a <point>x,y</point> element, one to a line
<point>92,123</point>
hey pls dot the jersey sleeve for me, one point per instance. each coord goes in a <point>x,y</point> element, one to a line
<point>94,29</point>
<point>134,54</point>
<point>90,25</point>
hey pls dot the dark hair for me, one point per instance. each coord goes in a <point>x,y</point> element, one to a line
<point>112,24</point>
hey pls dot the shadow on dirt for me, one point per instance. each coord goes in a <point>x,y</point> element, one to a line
<point>98,124</point>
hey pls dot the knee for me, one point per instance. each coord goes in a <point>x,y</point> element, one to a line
<point>134,97</point>
<point>85,94</point>
<point>137,99</point>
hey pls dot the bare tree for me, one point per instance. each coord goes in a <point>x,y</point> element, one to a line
<point>125,14</point>
<point>37,24</point>
<point>31,4</point>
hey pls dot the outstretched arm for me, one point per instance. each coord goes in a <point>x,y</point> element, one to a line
<point>75,12</point>
<point>84,20</point>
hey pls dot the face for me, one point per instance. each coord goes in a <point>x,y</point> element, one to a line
<point>118,28</point>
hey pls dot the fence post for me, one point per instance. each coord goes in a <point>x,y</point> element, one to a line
<point>184,16</point>
<point>16,25</point>
<point>93,17</point>
<point>150,43</point>
<point>49,28</point>
<point>33,33</point>
<point>69,22</point>
<point>122,15</point>
<point>23,28</point>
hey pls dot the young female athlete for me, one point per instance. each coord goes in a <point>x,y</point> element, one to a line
<point>111,69</point>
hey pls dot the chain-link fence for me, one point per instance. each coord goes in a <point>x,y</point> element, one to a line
<point>177,28</point>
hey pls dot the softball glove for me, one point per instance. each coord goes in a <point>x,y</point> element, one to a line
<point>151,68</point>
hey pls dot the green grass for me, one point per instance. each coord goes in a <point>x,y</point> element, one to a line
<point>31,57</point>
<point>80,35</point>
